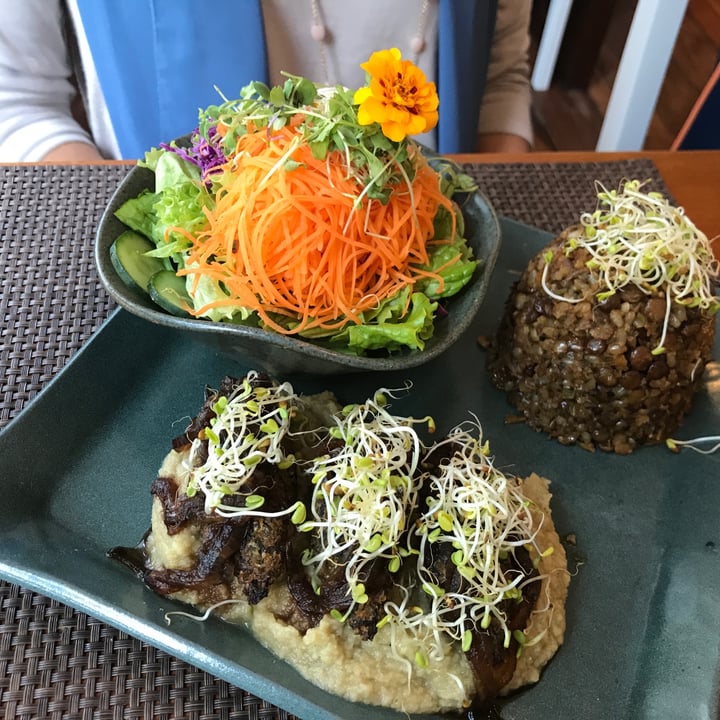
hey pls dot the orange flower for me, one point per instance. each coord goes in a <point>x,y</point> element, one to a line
<point>398,96</point>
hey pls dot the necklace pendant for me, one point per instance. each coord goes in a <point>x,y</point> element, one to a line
<point>417,44</point>
<point>318,32</point>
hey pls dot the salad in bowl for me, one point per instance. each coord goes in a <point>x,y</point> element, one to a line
<point>306,218</point>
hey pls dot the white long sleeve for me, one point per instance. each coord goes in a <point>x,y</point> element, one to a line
<point>35,87</point>
<point>35,71</point>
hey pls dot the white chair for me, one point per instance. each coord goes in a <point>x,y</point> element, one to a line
<point>645,58</point>
<point>550,41</point>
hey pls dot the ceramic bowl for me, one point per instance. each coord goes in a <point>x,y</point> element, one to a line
<point>282,354</point>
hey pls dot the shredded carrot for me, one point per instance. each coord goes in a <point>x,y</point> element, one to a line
<point>295,242</point>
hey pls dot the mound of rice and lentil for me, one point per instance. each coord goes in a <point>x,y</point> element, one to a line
<point>588,349</point>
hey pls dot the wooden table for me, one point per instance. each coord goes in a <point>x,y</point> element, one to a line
<point>52,304</point>
<point>693,176</point>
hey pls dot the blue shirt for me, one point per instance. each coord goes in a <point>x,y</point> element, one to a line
<point>159,61</point>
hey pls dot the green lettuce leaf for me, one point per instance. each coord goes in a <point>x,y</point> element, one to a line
<point>138,213</point>
<point>209,290</point>
<point>387,329</point>
<point>172,170</point>
<point>454,276</point>
<point>179,205</point>
<point>460,272</point>
<point>151,158</point>
<point>178,201</point>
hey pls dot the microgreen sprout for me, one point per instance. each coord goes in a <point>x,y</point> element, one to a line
<point>638,238</point>
<point>695,444</point>
<point>411,637</point>
<point>483,515</point>
<point>203,616</point>
<point>328,123</point>
<point>247,429</point>
<point>363,491</point>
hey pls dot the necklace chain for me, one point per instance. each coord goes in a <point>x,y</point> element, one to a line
<point>319,33</point>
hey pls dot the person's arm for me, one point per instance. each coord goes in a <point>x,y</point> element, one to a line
<point>502,143</point>
<point>36,120</point>
<point>505,123</point>
<point>73,151</point>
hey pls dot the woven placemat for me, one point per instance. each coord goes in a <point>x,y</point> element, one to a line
<point>56,662</point>
<point>51,300</point>
<point>551,196</point>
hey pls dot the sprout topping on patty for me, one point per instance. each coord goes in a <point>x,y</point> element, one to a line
<point>483,515</point>
<point>363,491</point>
<point>248,429</point>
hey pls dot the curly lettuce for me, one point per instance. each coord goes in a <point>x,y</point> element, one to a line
<point>390,328</point>
<point>178,202</point>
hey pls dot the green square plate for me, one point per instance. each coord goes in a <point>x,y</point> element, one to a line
<point>643,613</point>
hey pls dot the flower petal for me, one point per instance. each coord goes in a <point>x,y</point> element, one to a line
<point>398,96</point>
<point>381,60</point>
<point>361,94</point>
<point>394,131</point>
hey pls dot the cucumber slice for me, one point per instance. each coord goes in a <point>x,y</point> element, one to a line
<point>168,291</point>
<point>127,255</point>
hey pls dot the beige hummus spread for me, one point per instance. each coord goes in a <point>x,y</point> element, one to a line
<point>328,651</point>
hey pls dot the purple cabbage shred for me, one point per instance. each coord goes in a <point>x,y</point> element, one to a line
<point>207,154</point>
